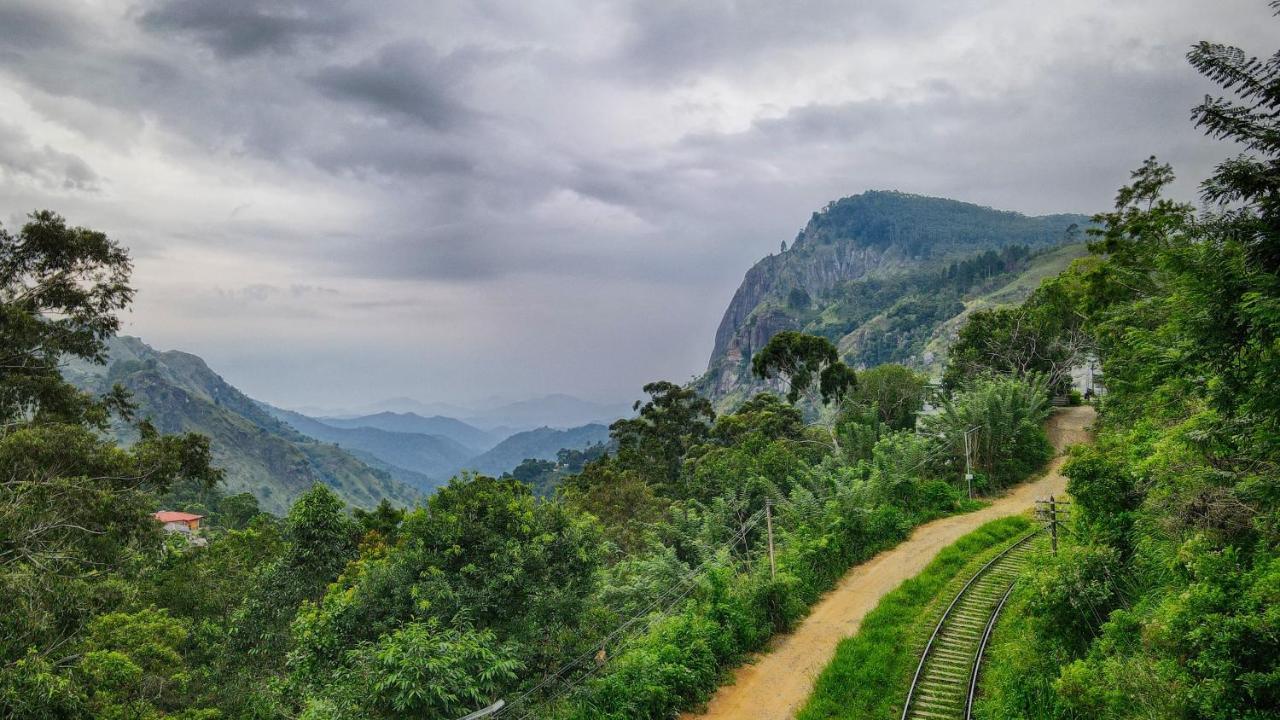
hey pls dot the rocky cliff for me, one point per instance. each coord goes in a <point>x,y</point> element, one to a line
<point>856,259</point>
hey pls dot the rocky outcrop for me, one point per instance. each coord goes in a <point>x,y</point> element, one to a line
<point>872,235</point>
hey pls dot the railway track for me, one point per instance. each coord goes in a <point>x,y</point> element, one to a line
<point>946,679</point>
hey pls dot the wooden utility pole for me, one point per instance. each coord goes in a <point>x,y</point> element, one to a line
<point>1051,512</point>
<point>768,522</point>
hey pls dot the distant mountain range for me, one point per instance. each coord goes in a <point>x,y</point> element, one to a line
<point>277,454</point>
<point>259,454</point>
<point>887,277</point>
<point>433,457</point>
<point>468,436</point>
<point>496,420</point>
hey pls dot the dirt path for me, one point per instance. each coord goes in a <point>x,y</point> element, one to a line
<point>777,683</point>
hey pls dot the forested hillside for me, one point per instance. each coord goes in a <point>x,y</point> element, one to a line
<point>886,276</point>
<point>177,392</point>
<point>540,444</point>
<point>1165,599</point>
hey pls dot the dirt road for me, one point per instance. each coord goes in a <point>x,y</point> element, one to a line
<point>776,683</point>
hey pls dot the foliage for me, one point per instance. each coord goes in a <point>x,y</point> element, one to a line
<point>1163,604</point>
<point>320,540</point>
<point>800,359</point>
<point>1044,335</point>
<point>1003,416</point>
<point>893,393</point>
<point>75,511</point>
<point>419,670</point>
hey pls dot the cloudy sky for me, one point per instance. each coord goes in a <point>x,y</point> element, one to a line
<point>337,202</point>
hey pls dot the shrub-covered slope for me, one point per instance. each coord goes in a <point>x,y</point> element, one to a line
<point>179,393</point>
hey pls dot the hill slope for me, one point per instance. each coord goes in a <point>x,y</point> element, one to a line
<point>179,393</point>
<point>540,444</point>
<point>878,274</point>
<point>431,456</point>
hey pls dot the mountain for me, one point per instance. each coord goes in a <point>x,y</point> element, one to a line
<point>406,405</point>
<point>433,456</point>
<point>469,436</point>
<point>556,410</point>
<point>880,274</point>
<point>540,444</point>
<point>259,454</point>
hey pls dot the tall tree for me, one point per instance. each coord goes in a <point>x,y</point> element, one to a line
<point>655,442</point>
<point>800,360</point>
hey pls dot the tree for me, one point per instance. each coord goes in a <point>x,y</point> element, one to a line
<point>894,393</point>
<point>385,519</point>
<point>655,442</point>
<point>419,670</point>
<point>60,290</point>
<point>799,359</point>
<point>319,541</point>
<point>1009,442</point>
<point>1045,335</point>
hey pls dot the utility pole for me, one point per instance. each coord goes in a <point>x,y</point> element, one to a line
<point>768,522</point>
<point>1051,512</point>
<point>968,458</point>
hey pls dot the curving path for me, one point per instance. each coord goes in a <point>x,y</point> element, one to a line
<point>777,682</point>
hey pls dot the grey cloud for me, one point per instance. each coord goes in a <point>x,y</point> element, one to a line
<point>496,169</point>
<point>408,81</point>
<point>51,168</point>
<point>27,26</point>
<point>671,41</point>
<point>238,28</point>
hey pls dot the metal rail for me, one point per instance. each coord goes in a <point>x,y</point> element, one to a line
<point>982,651</point>
<point>952,663</point>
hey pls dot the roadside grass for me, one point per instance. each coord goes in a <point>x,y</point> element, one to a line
<point>871,671</point>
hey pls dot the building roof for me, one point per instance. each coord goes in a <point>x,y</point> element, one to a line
<point>168,516</point>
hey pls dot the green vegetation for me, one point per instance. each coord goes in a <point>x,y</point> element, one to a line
<point>871,671</point>
<point>1165,599</point>
<point>177,392</point>
<point>624,593</point>
<point>886,277</point>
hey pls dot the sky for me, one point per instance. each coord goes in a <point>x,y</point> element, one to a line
<point>337,202</point>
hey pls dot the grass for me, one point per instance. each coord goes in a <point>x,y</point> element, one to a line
<point>871,671</point>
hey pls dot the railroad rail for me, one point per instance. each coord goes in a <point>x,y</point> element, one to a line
<point>946,679</point>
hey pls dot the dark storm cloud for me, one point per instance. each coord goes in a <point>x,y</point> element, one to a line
<point>25,26</point>
<point>236,28</point>
<point>669,41</point>
<point>408,81</point>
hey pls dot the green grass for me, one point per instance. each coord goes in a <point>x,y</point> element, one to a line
<point>871,671</point>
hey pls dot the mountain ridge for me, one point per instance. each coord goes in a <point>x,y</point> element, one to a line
<point>178,392</point>
<point>870,238</point>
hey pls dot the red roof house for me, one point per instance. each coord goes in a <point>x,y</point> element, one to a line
<point>174,521</point>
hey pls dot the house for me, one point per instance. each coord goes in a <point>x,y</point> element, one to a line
<point>182,522</point>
